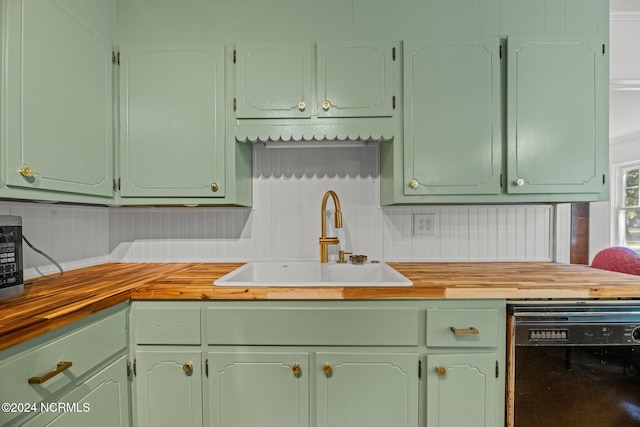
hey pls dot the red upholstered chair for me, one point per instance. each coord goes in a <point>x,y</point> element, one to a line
<point>622,260</point>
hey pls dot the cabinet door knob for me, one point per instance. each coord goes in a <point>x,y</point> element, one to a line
<point>214,186</point>
<point>188,368</point>
<point>413,184</point>
<point>301,105</point>
<point>26,171</point>
<point>326,105</point>
<point>60,367</point>
<point>327,369</point>
<point>297,370</point>
<point>519,182</point>
<point>441,371</point>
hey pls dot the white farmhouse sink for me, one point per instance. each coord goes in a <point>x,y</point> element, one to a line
<point>310,273</point>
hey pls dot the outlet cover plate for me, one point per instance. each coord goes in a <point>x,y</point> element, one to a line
<point>424,224</point>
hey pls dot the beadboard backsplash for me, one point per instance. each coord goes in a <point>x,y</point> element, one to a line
<point>284,222</point>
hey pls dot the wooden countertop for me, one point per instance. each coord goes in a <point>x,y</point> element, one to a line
<point>49,302</point>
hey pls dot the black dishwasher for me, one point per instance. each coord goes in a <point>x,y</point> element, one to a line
<point>574,364</point>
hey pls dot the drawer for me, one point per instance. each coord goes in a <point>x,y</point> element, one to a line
<point>312,326</point>
<point>462,327</point>
<point>85,347</point>
<point>166,325</point>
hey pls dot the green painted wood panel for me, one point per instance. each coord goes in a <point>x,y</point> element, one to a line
<point>317,325</point>
<point>440,321</point>
<point>452,117</point>
<point>165,394</point>
<point>167,325</point>
<point>466,394</point>
<point>557,115</point>
<point>258,389</point>
<point>273,80</point>
<point>355,79</point>
<point>367,390</point>
<point>102,401</point>
<point>59,100</point>
<point>172,125</point>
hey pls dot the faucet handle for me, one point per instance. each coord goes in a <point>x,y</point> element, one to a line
<point>341,255</point>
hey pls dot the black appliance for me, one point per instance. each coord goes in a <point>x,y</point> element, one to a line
<point>574,364</point>
<point>11,266</point>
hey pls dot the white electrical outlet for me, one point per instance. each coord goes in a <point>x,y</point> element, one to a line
<point>424,224</point>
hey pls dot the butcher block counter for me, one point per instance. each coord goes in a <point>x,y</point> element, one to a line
<point>50,302</point>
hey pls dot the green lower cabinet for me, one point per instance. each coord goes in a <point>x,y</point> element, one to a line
<point>101,401</point>
<point>367,389</point>
<point>169,388</point>
<point>258,389</point>
<point>461,390</point>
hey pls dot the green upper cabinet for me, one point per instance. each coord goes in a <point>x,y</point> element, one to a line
<point>323,90</point>
<point>557,115</point>
<point>172,121</point>
<point>173,144</point>
<point>273,80</point>
<point>354,79</point>
<point>57,90</point>
<point>452,117</point>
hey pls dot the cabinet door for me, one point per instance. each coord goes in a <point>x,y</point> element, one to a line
<point>172,120</point>
<point>101,401</point>
<point>557,115</point>
<point>367,390</point>
<point>168,393</point>
<point>355,79</point>
<point>452,117</point>
<point>273,80</point>
<point>258,389</point>
<point>59,99</point>
<point>461,390</point>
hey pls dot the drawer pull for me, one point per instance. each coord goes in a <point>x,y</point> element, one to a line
<point>469,331</point>
<point>441,371</point>
<point>60,367</point>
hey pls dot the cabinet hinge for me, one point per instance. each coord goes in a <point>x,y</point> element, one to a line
<point>603,49</point>
<point>234,56</point>
<point>206,367</point>
<point>113,57</point>
<point>500,180</point>
<point>234,104</point>
<point>128,369</point>
<point>393,102</point>
<point>604,179</point>
<point>393,53</point>
<point>500,53</point>
<point>116,184</point>
<point>118,58</point>
<point>419,368</point>
<point>497,369</point>
<point>134,368</point>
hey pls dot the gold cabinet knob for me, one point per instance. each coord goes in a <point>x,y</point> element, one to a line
<point>519,182</point>
<point>301,105</point>
<point>441,371</point>
<point>326,105</point>
<point>413,184</point>
<point>188,368</point>
<point>26,171</point>
<point>214,186</point>
<point>327,369</point>
<point>297,370</point>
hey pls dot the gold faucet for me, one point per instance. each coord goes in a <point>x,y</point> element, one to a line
<point>324,240</point>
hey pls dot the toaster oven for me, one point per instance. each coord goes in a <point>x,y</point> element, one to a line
<point>11,270</point>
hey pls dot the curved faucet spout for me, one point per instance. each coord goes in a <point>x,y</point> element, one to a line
<point>324,240</point>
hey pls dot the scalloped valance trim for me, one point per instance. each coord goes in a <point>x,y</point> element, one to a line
<point>268,133</point>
